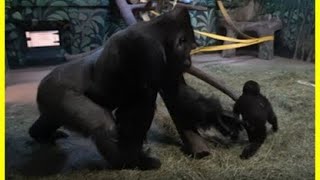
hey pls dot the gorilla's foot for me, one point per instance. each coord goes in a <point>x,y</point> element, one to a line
<point>250,150</point>
<point>195,153</point>
<point>144,162</point>
<point>195,145</point>
<point>44,130</point>
<point>48,138</point>
<point>275,128</point>
<point>148,163</point>
<point>140,160</point>
<point>245,156</point>
<point>201,154</point>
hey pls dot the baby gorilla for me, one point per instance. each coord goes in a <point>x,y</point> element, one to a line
<point>199,112</point>
<point>255,110</point>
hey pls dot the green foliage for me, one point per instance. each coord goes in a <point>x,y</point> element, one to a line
<point>17,16</point>
<point>204,21</point>
<point>57,15</point>
<point>26,3</point>
<point>298,23</point>
<point>59,3</point>
<point>90,26</point>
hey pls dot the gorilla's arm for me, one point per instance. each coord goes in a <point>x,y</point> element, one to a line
<point>236,107</point>
<point>272,117</point>
<point>194,144</point>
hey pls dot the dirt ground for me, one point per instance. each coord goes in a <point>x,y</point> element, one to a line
<point>287,154</point>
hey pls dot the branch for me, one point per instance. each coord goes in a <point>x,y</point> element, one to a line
<point>192,7</point>
<point>126,10</point>
<point>212,81</point>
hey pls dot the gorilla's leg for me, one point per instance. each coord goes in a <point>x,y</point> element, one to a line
<point>194,144</point>
<point>88,118</point>
<point>250,150</point>
<point>134,120</point>
<point>256,139</point>
<point>272,119</point>
<point>44,130</point>
<point>76,112</point>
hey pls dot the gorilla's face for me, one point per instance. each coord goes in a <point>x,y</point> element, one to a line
<point>181,42</point>
<point>184,43</point>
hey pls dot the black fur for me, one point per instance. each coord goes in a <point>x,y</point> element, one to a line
<point>255,110</point>
<point>134,64</point>
<point>190,111</point>
<point>203,112</point>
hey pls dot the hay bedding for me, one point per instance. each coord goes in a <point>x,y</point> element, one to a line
<point>288,154</point>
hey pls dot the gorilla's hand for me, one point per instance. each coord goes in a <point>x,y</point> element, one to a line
<point>107,143</point>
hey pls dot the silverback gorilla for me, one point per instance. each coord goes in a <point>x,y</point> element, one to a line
<point>255,110</point>
<point>135,64</point>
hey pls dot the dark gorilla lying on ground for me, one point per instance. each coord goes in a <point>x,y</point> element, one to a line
<point>255,110</point>
<point>200,112</point>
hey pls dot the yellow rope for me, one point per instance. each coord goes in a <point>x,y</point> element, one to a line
<point>225,38</point>
<point>238,42</point>
<point>230,46</point>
